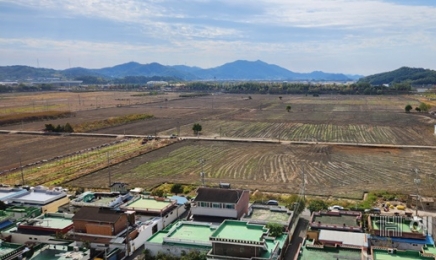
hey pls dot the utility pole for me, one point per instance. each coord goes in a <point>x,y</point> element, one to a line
<point>202,171</point>
<point>109,168</point>
<point>21,169</point>
<point>304,185</point>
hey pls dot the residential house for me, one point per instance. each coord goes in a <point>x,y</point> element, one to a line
<point>221,203</point>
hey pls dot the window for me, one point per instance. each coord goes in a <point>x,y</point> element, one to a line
<point>230,206</point>
<point>216,205</point>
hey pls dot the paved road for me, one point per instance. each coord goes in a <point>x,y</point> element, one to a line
<point>299,235</point>
<point>226,139</point>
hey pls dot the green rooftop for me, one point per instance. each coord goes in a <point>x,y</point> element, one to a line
<point>195,232</point>
<point>9,248</point>
<point>309,253</point>
<point>239,230</point>
<point>391,223</point>
<point>185,233</point>
<point>54,222</point>
<point>158,237</point>
<point>397,255</point>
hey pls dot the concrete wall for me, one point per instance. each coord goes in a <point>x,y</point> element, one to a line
<point>235,250</point>
<point>173,215</point>
<point>144,233</point>
<point>175,250</point>
<point>23,238</point>
<point>242,205</point>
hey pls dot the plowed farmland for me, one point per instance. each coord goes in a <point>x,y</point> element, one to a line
<point>328,170</point>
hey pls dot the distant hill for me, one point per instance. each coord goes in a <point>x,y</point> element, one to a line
<point>237,70</point>
<point>416,76</point>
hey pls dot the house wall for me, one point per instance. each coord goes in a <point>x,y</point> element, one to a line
<point>99,229</point>
<point>235,250</point>
<point>216,212</point>
<point>242,205</point>
<point>79,226</point>
<point>121,224</point>
<point>144,233</point>
<point>18,238</point>
<point>173,215</point>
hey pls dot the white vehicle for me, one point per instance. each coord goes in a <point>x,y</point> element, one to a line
<point>336,207</point>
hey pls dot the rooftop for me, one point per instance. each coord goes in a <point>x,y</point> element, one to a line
<point>218,195</point>
<point>383,254</point>
<point>100,199</point>
<point>7,193</point>
<point>397,223</point>
<point>148,204</point>
<point>8,248</point>
<point>60,252</point>
<point>344,238</point>
<point>336,220</point>
<point>54,221</point>
<point>185,233</point>
<point>97,214</point>
<point>239,232</point>
<point>39,197</point>
<point>321,253</point>
<point>265,214</point>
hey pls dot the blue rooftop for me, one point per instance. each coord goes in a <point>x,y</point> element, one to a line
<point>180,200</point>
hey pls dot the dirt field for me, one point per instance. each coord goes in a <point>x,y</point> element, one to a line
<point>330,170</point>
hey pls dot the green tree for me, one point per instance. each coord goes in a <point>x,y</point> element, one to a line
<point>68,128</point>
<point>49,128</point>
<point>408,108</point>
<point>424,107</point>
<point>275,229</point>
<point>177,188</point>
<point>196,128</point>
<point>157,192</point>
<point>317,205</point>
<point>288,108</point>
<point>194,255</point>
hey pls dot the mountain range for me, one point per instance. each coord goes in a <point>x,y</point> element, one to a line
<point>237,70</point>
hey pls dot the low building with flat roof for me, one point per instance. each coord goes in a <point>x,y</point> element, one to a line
<point>350,221</point>
<point>182,236</point>
<point>239,239</point>
<point>48,200</point>
<point>7,193</point>
<point>10,250</point>
<point>402,243</point>
<point>100,199</point>
<point>41,229</point>
<point>397,226</point>
<point>263,214</point>
<point>148,207</point>
<point>62,252</point>
<point>12,214</point>
<point>309,250</point>
<point>394,254</point>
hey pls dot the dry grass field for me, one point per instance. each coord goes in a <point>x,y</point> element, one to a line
<point>330,170</point>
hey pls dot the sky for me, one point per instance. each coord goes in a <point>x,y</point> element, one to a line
<point>341,36</point>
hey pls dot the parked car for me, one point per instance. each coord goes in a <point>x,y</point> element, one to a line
<point>272,202</point>
<point>336,207</point>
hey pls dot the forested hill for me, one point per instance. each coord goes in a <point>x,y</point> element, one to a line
<point>415,76</point>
